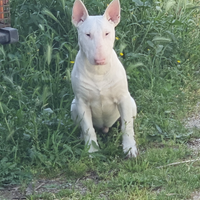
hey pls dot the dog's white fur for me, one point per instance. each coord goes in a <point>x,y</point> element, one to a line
<point>99,80</point>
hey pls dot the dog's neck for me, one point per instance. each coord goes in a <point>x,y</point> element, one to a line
<point>96,69</point>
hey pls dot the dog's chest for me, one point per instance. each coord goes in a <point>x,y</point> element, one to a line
<point>99,92</point>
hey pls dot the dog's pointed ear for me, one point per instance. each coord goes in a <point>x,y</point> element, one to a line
<point>112,12</point>
<point>79,12</point>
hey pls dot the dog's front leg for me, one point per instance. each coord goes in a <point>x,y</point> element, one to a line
<point>128,110</point>
<point>81,114</point>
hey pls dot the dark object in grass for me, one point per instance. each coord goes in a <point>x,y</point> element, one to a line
<point>8,35</point>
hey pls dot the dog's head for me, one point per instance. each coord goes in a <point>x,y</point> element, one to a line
<point>96,34</point>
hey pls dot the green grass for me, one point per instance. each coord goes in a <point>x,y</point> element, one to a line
<point>118,178</point>
<point>160,46</point>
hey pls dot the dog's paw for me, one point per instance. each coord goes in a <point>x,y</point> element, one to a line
<point>93,147</point>
<point>130,150</point>
<point>132,153</point>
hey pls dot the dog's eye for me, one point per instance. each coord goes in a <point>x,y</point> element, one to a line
<point>107,34</point>
<point>88,34</point>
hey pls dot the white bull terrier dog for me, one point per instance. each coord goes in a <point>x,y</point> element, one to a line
<point>99,79</point>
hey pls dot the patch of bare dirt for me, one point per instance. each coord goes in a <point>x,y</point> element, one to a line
<point>37,187</point>
<point>194,145</point>
<point>193,120</point>
<point>196,196</point>
<point>52,186</point>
